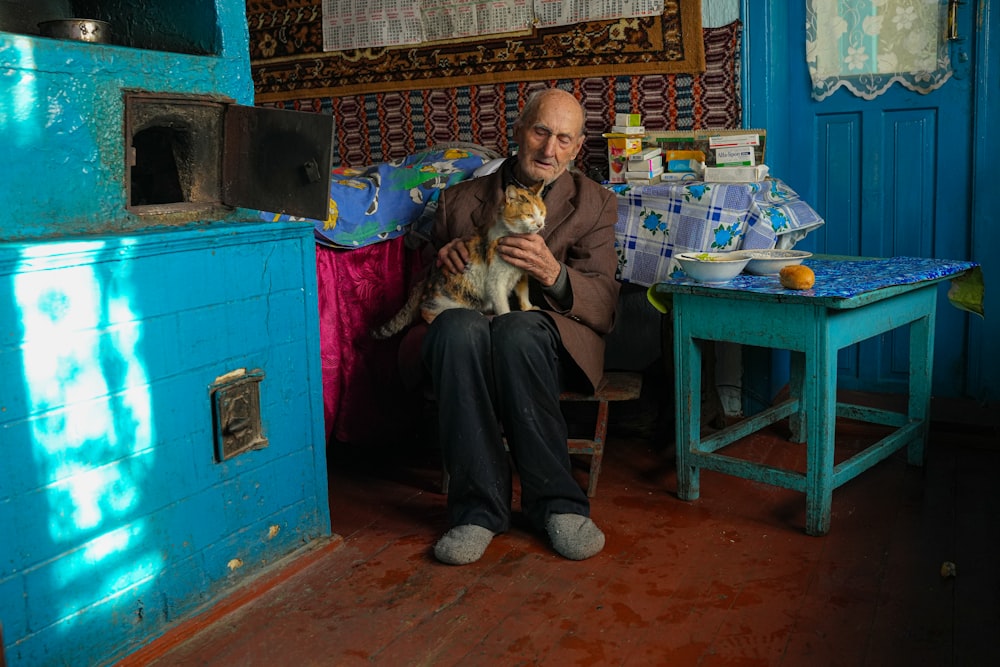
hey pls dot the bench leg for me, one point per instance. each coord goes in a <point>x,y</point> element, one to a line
<point>597,456</point>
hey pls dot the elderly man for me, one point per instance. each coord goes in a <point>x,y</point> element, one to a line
<point>499,378</point>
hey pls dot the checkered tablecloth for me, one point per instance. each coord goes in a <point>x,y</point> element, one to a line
<point>656,222</point>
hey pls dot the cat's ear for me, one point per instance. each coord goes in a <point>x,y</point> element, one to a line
<point>538,187</point>
<point>511,192</point>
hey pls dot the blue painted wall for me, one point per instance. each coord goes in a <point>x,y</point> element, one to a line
<point>118,522</point>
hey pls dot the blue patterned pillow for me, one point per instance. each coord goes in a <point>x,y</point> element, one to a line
<point>380,202</point>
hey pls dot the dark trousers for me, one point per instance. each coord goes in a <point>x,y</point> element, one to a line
<point>498,378</point>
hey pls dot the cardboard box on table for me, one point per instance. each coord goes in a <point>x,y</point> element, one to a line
<point>620,148</point>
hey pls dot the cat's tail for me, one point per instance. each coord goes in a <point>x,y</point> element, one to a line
<point>406,315</point>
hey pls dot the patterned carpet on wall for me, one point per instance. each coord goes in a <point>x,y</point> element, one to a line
<point>381,126</point>
<point>286,52</point>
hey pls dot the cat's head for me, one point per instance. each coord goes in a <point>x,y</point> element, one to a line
<point>524,210</point>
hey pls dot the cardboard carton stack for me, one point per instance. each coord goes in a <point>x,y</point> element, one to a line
<point>624,143</point>
<point>715,155</point>
<point>628,124</point>
<point>644,168</point>
<point>735,159</point>
<point>683,164</point>
<point>638,157</point>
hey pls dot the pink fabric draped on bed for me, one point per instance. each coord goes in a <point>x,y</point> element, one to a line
<point>363,397</point>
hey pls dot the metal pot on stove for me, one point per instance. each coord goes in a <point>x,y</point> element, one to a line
<point>80,30</point>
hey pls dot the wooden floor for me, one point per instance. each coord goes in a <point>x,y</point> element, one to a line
<point>730,579</point>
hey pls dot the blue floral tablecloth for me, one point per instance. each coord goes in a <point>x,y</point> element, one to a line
<point>656,222</point>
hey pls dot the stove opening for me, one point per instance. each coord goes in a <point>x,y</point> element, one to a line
<point>155,173</point>
<point>174,153</point>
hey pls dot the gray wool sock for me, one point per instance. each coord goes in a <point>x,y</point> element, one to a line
<point>463,544</point>
<point>574,536</point>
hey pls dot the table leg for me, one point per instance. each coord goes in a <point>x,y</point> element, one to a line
<point>797,420</point>
<point>819,397</point>
<point>921,367</point>
<point>687,399</point>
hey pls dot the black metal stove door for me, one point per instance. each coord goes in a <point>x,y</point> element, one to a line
<point>277,160</point>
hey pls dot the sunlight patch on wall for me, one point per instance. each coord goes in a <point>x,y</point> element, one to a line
<point>90,414</point>
<point>19,107</point>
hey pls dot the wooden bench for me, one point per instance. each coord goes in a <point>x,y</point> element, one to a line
<point>614,386</point>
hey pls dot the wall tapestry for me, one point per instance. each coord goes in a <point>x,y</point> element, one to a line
<point>287,58</point>
<point>375,127</point>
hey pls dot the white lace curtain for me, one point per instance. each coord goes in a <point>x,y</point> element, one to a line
<point>867,45</point>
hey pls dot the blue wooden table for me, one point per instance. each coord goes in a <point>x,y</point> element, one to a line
<point>853,299</point>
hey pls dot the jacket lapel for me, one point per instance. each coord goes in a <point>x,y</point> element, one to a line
<point>559,203</point>
<point>490,200</point>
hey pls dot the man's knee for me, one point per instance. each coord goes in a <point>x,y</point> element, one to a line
<point>518,331</point>
<point>456,326</point>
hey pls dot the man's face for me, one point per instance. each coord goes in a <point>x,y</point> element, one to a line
<point>548,143</point>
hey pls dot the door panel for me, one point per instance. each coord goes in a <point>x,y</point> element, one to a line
<point>838,166</point>
<point>907,214</point>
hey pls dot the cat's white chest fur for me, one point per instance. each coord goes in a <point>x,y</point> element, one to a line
<point>495,281</point>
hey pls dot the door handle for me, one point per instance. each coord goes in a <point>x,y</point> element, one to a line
<point>310,171</point>
<point>953,20</point>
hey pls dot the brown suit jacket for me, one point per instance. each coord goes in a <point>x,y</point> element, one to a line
<point>580,232</point>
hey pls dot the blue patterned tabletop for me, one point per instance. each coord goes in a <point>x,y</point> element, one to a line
<point>836,277</point>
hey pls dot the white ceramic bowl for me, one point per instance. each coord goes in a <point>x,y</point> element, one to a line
<point>770,262</point>
<point>712,267</point>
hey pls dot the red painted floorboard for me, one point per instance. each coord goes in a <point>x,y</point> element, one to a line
<point>730,579</point>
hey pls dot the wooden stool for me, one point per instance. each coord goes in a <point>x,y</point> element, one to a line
<point>614,386</point>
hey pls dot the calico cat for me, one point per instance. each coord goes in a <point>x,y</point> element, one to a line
<point>488,280</point>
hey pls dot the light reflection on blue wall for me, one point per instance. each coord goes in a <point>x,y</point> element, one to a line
<point>18,103</point>
<point>90,413</point>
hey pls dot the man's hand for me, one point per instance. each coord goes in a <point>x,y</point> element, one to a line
<point>528,252</point>
<point>453,256</point>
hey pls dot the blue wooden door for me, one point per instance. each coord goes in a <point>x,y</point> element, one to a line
<point>891,176</point>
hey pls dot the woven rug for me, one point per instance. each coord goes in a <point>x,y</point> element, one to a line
<point>382,126</point>
<point>287,58</point>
